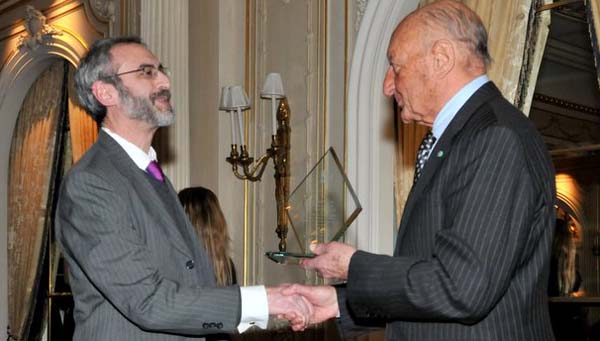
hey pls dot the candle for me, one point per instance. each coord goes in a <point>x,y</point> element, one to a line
<point>232,127</point>
<point>241,126</point>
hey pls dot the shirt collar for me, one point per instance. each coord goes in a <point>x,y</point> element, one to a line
<point>452,107</point>
<point>141,158</point>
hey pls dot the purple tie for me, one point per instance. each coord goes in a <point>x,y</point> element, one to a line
<point>154,170</point>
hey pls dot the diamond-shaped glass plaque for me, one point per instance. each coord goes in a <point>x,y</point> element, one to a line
<point>320,209</point>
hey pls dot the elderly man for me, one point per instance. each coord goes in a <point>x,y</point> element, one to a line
<point>138,271</point>
<point>473,249</point>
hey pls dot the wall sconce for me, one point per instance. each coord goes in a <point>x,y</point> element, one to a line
<point>234,100</point>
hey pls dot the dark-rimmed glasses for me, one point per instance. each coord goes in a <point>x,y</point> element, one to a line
<point>148,71</point>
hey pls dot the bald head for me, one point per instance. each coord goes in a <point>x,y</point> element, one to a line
<point>449,19</point>
<point>433,53</point>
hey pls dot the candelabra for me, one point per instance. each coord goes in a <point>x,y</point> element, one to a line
<point>234,100</point>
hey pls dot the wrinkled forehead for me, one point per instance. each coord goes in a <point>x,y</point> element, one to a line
<point>403,40</point>
<point>131,55</point>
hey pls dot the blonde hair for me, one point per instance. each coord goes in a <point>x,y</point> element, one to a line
<point>203,209</point>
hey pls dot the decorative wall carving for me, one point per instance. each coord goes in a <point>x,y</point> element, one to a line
<point>103,9</point>
<point>38,32</point>
<point>102,14</point>
<point>361,7</point>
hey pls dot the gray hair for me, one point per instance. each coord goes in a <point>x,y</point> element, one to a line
<point>462,24</point>
<point>97,65</point>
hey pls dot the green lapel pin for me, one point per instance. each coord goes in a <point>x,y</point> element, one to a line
<point>440,153</point>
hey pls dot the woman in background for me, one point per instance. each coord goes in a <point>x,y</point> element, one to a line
<point>203,209</point>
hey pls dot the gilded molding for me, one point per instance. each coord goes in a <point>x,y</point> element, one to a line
<point>38,32</point>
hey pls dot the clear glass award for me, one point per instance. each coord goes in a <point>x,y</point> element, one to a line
<point>320,209</point>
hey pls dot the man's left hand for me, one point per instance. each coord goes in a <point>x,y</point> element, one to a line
<point>332,261</point>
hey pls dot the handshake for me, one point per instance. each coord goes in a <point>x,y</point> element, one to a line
<point>303,305</point>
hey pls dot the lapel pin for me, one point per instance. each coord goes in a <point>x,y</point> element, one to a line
<point>440,153</point>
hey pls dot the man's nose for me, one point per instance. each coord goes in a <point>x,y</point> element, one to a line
<point>163,81</point>
<point>388,82</point>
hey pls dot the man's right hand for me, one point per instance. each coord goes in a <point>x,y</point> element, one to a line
<point>294,308</point>
<point>323,299</point>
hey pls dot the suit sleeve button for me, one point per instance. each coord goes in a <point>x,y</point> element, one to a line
<point>189,264</point>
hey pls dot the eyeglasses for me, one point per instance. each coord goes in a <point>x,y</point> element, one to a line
<point>148,71</point>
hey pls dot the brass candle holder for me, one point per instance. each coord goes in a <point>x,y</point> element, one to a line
<point>245,168</point>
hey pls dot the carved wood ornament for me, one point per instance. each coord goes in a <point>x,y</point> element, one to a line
<point>38,32</point>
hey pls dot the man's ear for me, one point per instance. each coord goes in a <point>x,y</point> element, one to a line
<point>444,57</point>
<point>105,93</point>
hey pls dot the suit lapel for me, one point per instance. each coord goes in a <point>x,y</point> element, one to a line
<point>443,149</point>
<point>158,211</point>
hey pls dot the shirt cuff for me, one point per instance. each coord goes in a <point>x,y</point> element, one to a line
<point>255,308</point>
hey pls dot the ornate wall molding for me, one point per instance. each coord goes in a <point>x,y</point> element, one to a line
<point>25,61</point>
<point>103,9</point>
<point>101,14</point>
<point>38,32</point>
<point>361,7</point>
<point>566,104</point>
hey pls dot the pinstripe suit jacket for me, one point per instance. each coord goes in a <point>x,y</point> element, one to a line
<point>473,249</point>
<point>138,271</point>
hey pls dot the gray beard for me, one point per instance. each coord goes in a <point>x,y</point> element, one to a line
<point>143,109</point>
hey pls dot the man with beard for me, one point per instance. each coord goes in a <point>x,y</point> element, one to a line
<point>138,271</point>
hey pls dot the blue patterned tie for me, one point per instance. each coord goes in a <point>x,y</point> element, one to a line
<point>423,154</point>
<point>154,170</point>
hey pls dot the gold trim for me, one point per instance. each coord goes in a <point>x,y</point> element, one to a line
<point>325,76</point>
<point>18,27</point>
<point>245,252</point>
<point>73,34</point>
<point>246,247</point>
<point>45,12</point>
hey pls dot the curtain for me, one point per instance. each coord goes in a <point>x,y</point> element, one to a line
<point>516,38</point>
<point>31,180</point>
<point>407,143</point>
<point>593,12</point>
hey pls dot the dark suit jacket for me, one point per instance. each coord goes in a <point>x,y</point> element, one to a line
<point>137,269</point>
<point>473,249</point>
